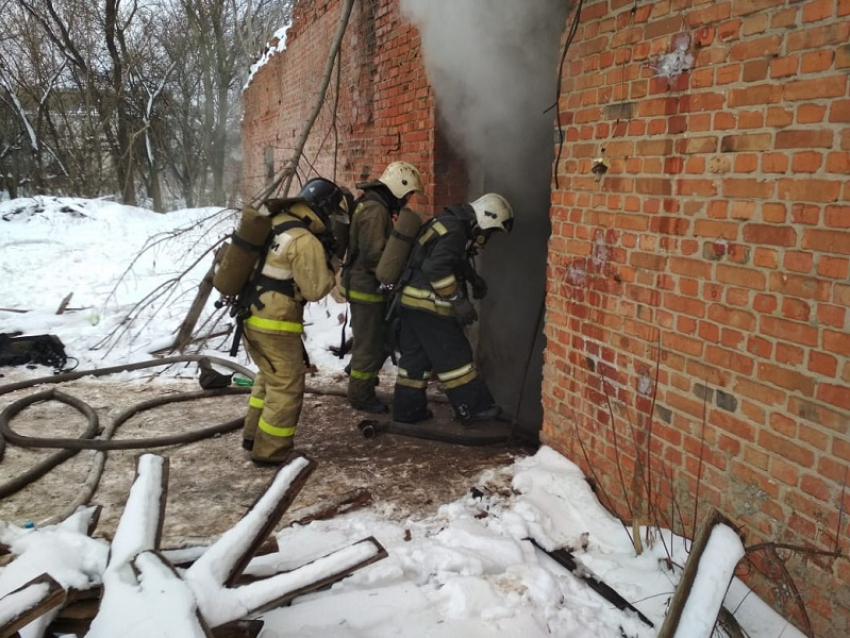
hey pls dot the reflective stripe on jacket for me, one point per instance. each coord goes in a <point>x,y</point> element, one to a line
<point>295,252</point>
<point>437,265</point>
<point>371,224</point>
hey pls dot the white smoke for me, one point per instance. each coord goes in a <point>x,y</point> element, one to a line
<point>493,66</point>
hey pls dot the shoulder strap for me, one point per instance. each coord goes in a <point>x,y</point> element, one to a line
<point>288,225</point>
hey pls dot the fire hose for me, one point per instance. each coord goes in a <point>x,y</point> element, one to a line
<point>70,447</point>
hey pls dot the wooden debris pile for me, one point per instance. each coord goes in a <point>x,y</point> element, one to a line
<point>131,588</point>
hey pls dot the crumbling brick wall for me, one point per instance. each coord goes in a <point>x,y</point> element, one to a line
<point>697,313</point>
<point>379,107</point>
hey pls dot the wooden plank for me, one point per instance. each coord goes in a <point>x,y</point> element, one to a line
<point>683,589</point>
<point>380,554</point>
<point>17,608</point>
<point>239,629</point>
<point>273,519</point>
<point>184,334</point>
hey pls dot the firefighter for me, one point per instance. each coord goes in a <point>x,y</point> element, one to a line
<point>298,267</point>
<point>371,224</point>
<point>435,309</point>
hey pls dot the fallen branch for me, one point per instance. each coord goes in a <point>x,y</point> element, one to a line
<point>64,305</point>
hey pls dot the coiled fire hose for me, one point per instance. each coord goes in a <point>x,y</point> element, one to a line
<point>87,441</point>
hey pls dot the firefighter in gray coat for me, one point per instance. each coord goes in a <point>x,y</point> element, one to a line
<point>371,225</point>
<point>435,308</point>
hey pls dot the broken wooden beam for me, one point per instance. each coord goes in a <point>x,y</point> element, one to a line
<point>29,602</point>
<point>688,609</point>
<point>566,559</point>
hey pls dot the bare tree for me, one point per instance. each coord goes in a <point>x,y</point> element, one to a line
<point>127,97</point>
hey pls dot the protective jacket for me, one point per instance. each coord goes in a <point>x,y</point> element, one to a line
<point>371,225</point>
<point>431,339</point>
<point>438,263</point>
<point>298,260</point>
<point>295,271</point>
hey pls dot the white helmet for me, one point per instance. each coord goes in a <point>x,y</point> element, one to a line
<point>402,179</point>
<point>493,212</point>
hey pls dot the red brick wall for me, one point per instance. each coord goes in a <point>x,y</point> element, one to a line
<point>383,110</point>
<point>698,292</point>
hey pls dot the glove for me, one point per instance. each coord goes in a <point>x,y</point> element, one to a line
<point>464,311</point>
<point>479,286</point>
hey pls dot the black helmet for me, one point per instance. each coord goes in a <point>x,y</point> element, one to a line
<point>324,197</point>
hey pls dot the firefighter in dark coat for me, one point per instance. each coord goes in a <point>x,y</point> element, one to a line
<point>371,224</point>
<point>298,268</point>
<point>435,308</point>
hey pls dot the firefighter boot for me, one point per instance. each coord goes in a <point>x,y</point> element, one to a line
<point>271,450</point>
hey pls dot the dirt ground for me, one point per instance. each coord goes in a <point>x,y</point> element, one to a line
<point>212,482</point>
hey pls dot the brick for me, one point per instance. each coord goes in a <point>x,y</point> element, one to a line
<point>836,395</point>
<point>786,378</point>
<point>774,213</point>
<point>833,267</point>
<point>765,258</point>
<point>788,355</point>
<point>821,363</point>
<point>725,315</point>
<point>716,229</point>
<point>759,94</point>
<point>784,472</point>
<point>799,286</point>
<point>832,316</point>
<point>759,347</point>
<point>832,35</point>
<point>836,342</point>
<point>752,142</point>
<point>700,102</point>
<point>817,10</point>
<point>787,449</point>
<point>806,162</point>
<point>811,113</point>
<point>822,88</point>
<point>804,138</point>
<point>784,67</point>
<point>779,117</point>
<point>839,111</point>
<point>808,214</point>
<point>746,7</point>
<point>796,309</point>
<point>796,261</point>
<point>827,241</point>
<point>746,163</point>
<point>810,190</point>
<point>748,188</point>
<point>770,235</point>
<point>838,163</point>
<point>767,46</point>
<point>774,162</point>
<point>786,330</point>
<point>817,61</point>
<point>818,414</point>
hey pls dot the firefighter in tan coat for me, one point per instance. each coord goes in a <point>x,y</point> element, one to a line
<point>298,268</point>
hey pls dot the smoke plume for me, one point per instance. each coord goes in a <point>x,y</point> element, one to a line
<point>493,65</point>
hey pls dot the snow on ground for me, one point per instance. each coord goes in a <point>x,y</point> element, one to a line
<point>467,570</point>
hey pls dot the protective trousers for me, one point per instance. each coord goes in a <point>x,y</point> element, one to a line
<point>429,341</point>
<point>369,351</point>
<point>277,394</point>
